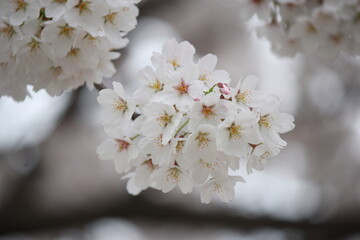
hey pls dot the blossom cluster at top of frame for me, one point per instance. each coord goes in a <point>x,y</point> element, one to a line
<point>326,27</point>
<point>185,126</point>
<point>59,45</point>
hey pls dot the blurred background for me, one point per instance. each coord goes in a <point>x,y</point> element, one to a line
<point>53,186</point>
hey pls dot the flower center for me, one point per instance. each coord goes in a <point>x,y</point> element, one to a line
<point>164,119</point>
<point>243,96</point>
<point>173,175</point>
<point>174,62</point>
<point>66,31</point>
<point>208,111</point>
<point>20,5</point>
<point>156,85</point>
<point>111,18</point>
<point>56,71</point>
<point>311,28</point>
<point>84,7</point>
<point>179,146</point>
<point>182,87</point>
<point>204,77</point>
<point>74,52</point>
<point>60,1</point>
<point>234,131</point>
<point>203,140</point>
<point>218,188</point>
<point>120,105</point>
<point>8,31</point>
<point>122,145</point>
<point>265,121</point>
<point>34,45</point>
<point>208,165</point>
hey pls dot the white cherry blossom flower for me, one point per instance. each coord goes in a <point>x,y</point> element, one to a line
<point>201,144</point>
<point>245,94</point>
<point>209,110</point>
<point>207,71</point>
<point>140,178</point>
<point>222,187</point>
<point>260,156</point>
<point>183,88</point>
<point>19,11</point>
<point>153,84</point>
<point>272,123</point>
<point>86,14</point>
<point>175,55</point>
<point>161,119</point>
<point>118,107</point>
<point>55,9</point>
<point>161,154</point>
<point>167,178</point>
<point>236,132</point>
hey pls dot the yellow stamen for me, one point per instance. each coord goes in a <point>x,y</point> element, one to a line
<point>34,45</point>
<point>311,28</point>
<point>74,52</point>
<point>243,96</point>
<point>164,119</point>
<point>173,175</point>
<point>20,5</point>
<point>111,18</point>
<point>174,62</point>
<point>119,105</point>
<point>265,121</point>
<point>179,146</point>
<point>203,140</point>
<point>57,71</point>
<point>208,111</point>
<point>66,31</point>
<point>203,77</point>
<point>156,85</point>
<point>84,7</point>
<point>8,30</point>
<point>218,188</point>
<point>234,131</point>
<point>182,88</point>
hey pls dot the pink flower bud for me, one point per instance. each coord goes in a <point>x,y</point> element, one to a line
<point>224,88</point>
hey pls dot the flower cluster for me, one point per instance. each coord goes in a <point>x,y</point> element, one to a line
<point>185,126</point>
<point>60,44</point>
<point>325,27</point>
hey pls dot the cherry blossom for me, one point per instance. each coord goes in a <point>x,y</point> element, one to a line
<point>326,27</point>
<point>188,132</point>
<point>60,45</point>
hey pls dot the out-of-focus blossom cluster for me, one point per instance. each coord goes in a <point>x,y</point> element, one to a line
<point>325,27</point>
<point>185,126</point>
<point>60,44</point>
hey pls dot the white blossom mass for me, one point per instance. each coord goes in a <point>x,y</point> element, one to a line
<point>186,126</point>
<point>59,45</point>
<point>324,27</point>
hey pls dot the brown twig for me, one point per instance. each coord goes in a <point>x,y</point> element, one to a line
<point>99,86</point>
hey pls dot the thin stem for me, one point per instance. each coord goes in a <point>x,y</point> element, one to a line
<point>134,137</point>
<point>210,90</point>
<point>182,126</point>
